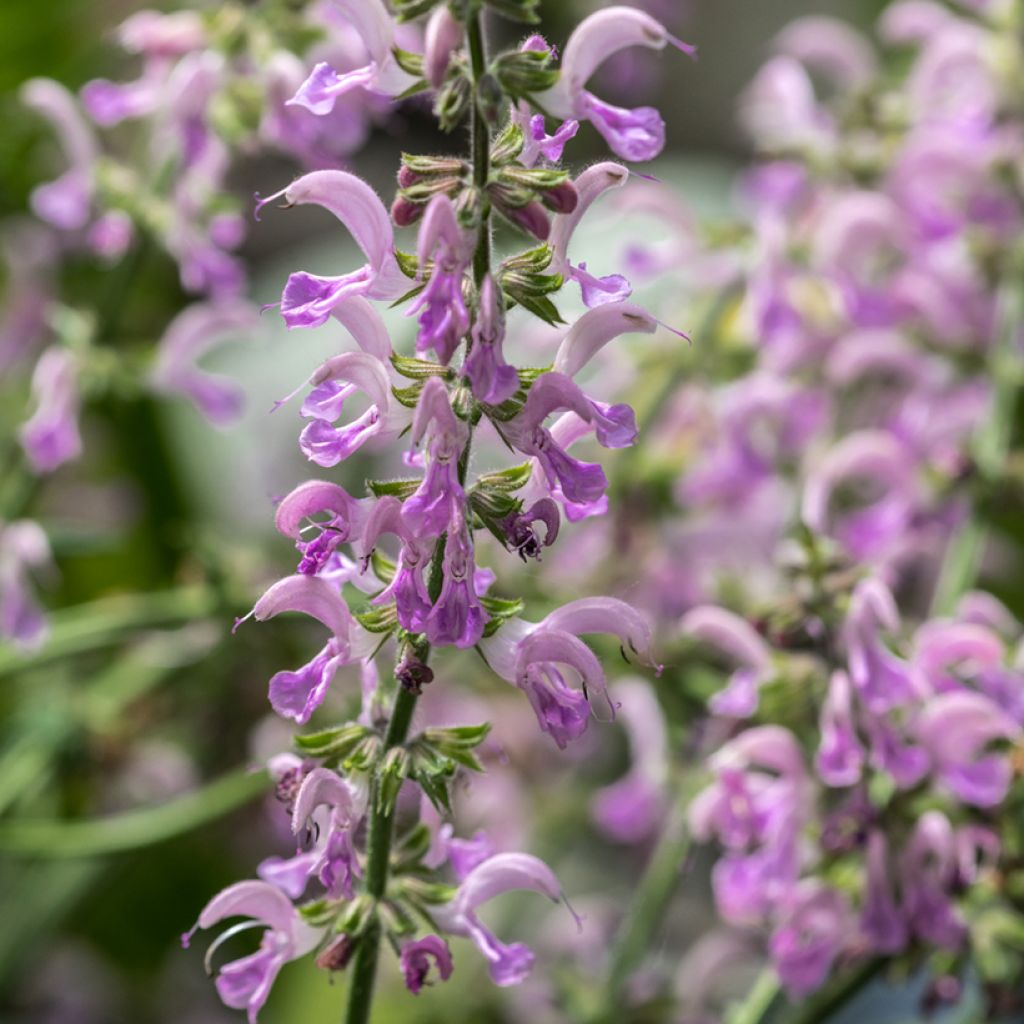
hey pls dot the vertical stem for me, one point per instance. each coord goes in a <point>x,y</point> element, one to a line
<point>481,144</point>
<point>381,827</point>
<point>381,824</point>
<point>649,906</point>
<point>990,445</point>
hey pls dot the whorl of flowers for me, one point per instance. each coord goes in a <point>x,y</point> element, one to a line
<point>409,544</point>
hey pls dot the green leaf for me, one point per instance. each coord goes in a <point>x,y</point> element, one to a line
<point>410,396</point>
<point>410,63</point>
<point>393,772</point>
<point>419,369</point>
<point>507,480</point>
<point>381,619</point>
<point>337,742</point>
<point>401,489</point>
<point>542,307</point>
<point>500,610</point>
<point>383,567</point>
<point>408,263</point>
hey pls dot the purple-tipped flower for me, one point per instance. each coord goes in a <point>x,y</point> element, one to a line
<point>504,872</point>
<point>632,134</point>
<point>334,383</point>
<point>440,498</point>
<point>881,921</point>
<point>535,656</point>
<point>408,589</point>
<point>457,617</point>
<point>590,185</point>
<point>66,203</point>
<point>492,379</point>
<point>927,873</point>
<point>882,680</point>
<point>415,960</point>
<point>50,436</point>
<point>812,934</point>
<point>308,300</point>
<point>954,728</point>
<point>540,144</point>
<point>840,754</point>
<point>442,37</point>
<point>444,318</point>
<point>23,547</point>
<point>245,984</point>
<point>298,694</point>
<point>375,27</point>
<point>742,646</point>
<point>345,522</point>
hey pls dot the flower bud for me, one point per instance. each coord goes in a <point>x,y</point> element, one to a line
<point>404,212</point>
<point>443,37</point>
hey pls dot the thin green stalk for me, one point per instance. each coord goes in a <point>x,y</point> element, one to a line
<point>989,448</point>
<point>88,627</point>
<point>761,1000</point>
<point>650,904</point>
<point>134,829</point>
<point>481,146</point>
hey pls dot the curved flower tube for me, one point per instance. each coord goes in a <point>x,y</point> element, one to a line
<point>66,203</point>
<point>375,26</point>
<point>245,984</point>
<point>504,872</point>
<point>50,437</point>
<point>308,300</point>
<point>631,134</point>
<point>742,645</point>
<point>954,728</point>
<point>298,694</point>
<point>333,383</point>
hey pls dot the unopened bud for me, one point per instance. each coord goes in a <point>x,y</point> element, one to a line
<point>442,38</point>
<point>337,955</point>
<point>404,212</point>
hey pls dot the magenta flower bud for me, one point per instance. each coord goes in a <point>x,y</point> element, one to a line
<point>531,218</point>
<point>406,177</point>
<point>405,213</point>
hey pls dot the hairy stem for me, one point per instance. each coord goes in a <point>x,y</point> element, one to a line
<point>481,146</point>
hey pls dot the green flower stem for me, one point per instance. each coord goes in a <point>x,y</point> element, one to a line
<point>381,823</point>
<point>105,622</point>
<point>761,1000</point>
<point>364,969</point>
<point>990,446</point>
<point>650,904</point>
<point>134,829</point>
<point>481,145</point>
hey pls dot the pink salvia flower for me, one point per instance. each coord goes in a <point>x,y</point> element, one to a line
<point>632,134</point>
<point>50,437</point>
<point>415,960</point>
<point>308,300</point>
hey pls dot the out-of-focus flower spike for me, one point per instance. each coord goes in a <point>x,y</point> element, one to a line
<point>595,329</point>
